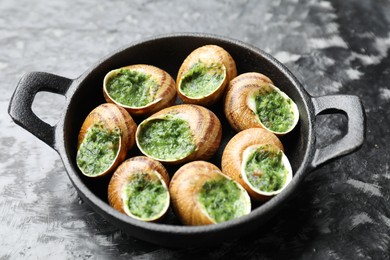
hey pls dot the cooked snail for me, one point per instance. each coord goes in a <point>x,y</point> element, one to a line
<point>255,158</point>
<point>204,75</point>
<point>179,134</point>
<point>139,188</point>
<point>202,195</point>
<point>140,89</point>
<point>253,101</point>
<point>104,139</point>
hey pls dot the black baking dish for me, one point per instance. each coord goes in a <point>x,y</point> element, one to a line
<point>168,52</point>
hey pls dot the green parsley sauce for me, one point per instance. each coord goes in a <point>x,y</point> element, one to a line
<point>202,79</point>
<point>264,169</point>
<point>169,138</point>
<point>274,111</point>
<point>222,199</point>
<point>146,197</point>
<point>98,150</point>
<point>131,88</point>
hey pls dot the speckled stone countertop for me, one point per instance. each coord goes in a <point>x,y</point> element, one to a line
<point>342,210</point>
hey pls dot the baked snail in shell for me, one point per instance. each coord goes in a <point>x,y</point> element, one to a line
<point>204,75</point>
<point>140,89</point>
<point>179,134</point>
<point>202,195</point>
<point>253,101</point>
<point>255,158</point>
<point>105,137</point>
<point>139,188</point>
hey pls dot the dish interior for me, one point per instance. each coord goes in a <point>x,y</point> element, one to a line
<point>168,54</point>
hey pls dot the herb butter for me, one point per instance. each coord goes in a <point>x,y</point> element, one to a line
<point>98,150</point>
<point>265,170</point>
<point>202,79</point>
<point>222,199</point>
<point>131,88</point>
<point>145,196</point>
<point>167,138</point>
<point>275,111</point>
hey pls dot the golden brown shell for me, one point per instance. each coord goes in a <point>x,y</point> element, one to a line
<point>164,96</point>
<point>232,157</point>
<point>207,54</point>
<point>124,173</point>
<point>185,187</point>
<point>239,108</point>
<point>111,116</point>
<point>205,127</point>
<point>248,78</point>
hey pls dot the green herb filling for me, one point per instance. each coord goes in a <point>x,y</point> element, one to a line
<point>202,79</point>
<point>98,150</point>
<point>166,139</point>
<point>274,111</point>
<point>265,170</point>
<point>222,199</point>
<point>132,88</point>
<point>147,197</point>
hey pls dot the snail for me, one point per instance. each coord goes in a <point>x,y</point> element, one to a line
<point>105,137</point>
<point>179,134</point>
<point>139,188</point>
<point>204,75</point>
<point>255,158</point>
<point>253,101</point>
<point>140,89</point>
<point>202,195</point>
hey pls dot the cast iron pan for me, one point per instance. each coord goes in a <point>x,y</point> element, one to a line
<point>168,52</point>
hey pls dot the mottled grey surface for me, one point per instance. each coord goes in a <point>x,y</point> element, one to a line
<point>333,47</point>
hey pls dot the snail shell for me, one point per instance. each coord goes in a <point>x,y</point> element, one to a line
<point>236,154</point>
<point>249,78</point>
<point>162,93</point>
<point>187,185</point>
<point>240,106</point>
<point>110,118</point>
<point>218,62</point>
<point>203,125</point>
<point>131,170</point>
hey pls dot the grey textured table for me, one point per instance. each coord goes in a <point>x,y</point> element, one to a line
<point>342,210</point>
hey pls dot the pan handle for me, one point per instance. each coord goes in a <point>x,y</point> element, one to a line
<point>352,107</point>
<point>20,106</point>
